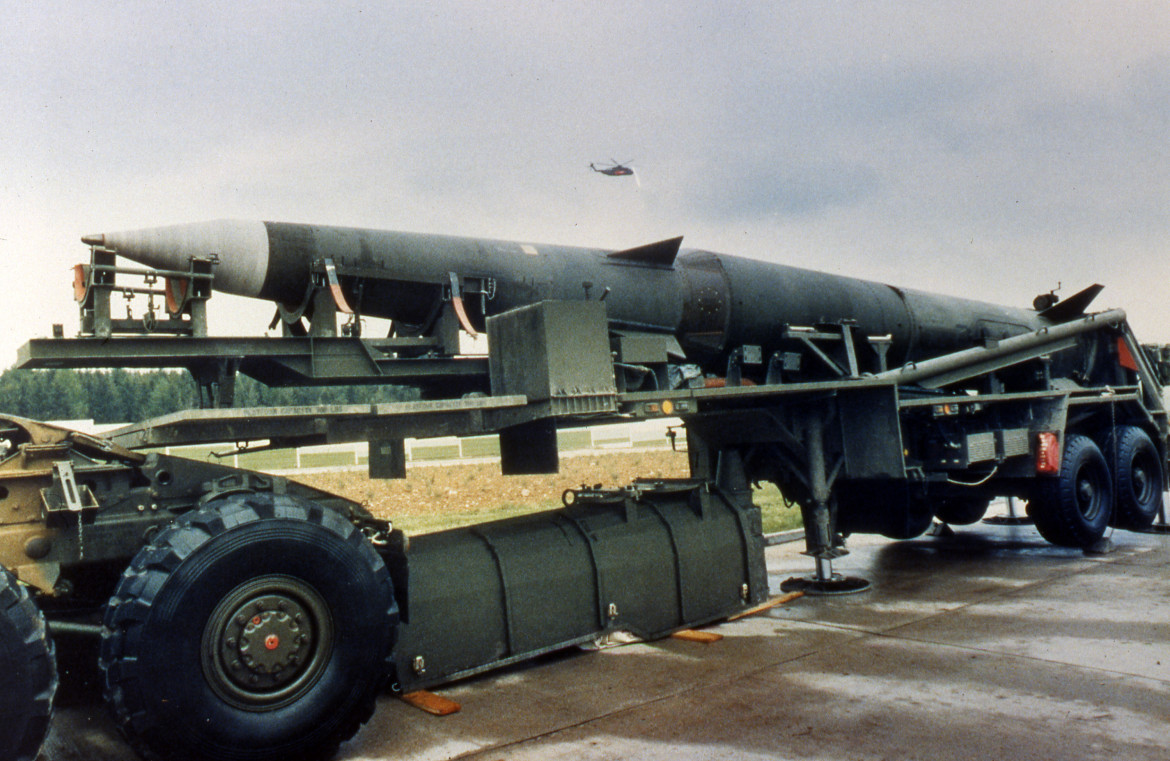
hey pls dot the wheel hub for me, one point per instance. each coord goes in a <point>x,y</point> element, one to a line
<point>273,640</point>
<point>1088,499</point>
<point>1141,482</point>
<point>267,642</point>
<point>1086,492</point>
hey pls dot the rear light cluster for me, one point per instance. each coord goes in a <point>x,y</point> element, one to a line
<point>1047,452</point>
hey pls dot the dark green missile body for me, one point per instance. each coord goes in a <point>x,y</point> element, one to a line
<point>712,303</point>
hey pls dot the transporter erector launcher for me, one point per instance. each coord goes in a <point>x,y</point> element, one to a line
<point>711,303</point>
<point>874,409</point>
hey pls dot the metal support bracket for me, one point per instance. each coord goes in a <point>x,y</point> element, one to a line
<point>184,295</point>
<point>841,339</point>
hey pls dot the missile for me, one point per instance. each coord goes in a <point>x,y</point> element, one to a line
<point>711,303</point>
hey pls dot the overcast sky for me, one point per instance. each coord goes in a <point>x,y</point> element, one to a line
<point>984,149</point>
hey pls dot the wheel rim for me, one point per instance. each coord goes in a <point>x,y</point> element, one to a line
<point>1143,479</point>
<point>1088,492</point>
<point>267,643</point>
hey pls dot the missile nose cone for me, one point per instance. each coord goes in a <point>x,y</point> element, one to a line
<point>240,247</point>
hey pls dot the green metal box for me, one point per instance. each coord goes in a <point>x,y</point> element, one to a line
<point>555,351</point>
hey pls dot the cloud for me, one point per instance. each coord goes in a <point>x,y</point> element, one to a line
<point>762,188</point>
<point>902,141</point>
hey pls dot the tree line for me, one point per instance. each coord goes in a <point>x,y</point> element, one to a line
<point>121,396</point>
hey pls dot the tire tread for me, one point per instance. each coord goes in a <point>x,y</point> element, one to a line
<point>1053,508</point>
<point>136,594</point>
<point>23,623</point>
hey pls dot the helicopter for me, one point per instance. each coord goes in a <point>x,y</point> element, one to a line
<point>615,168</point>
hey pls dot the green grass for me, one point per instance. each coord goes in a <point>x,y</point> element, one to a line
<point>327,459</point>
<point>481,446</point>
<point>574,438</point>
<point>776,516</point>
<point>270,459</point>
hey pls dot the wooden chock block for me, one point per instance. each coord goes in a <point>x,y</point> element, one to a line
<point>694,635</point>
<point>431,703</point>
<point>768,605</point>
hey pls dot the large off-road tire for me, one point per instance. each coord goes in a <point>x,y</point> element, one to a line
<point>256,628</point>
<point>29,673</point>
<point>1073,508</point>
<point>1137,477</point>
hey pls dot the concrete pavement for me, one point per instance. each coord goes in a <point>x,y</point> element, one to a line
<point>988,644</point>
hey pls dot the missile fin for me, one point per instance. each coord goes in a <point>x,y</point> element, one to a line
<point>1072,307</point>
<point>660,254</point>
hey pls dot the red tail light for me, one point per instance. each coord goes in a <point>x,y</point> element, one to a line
<point>1047,452</point>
